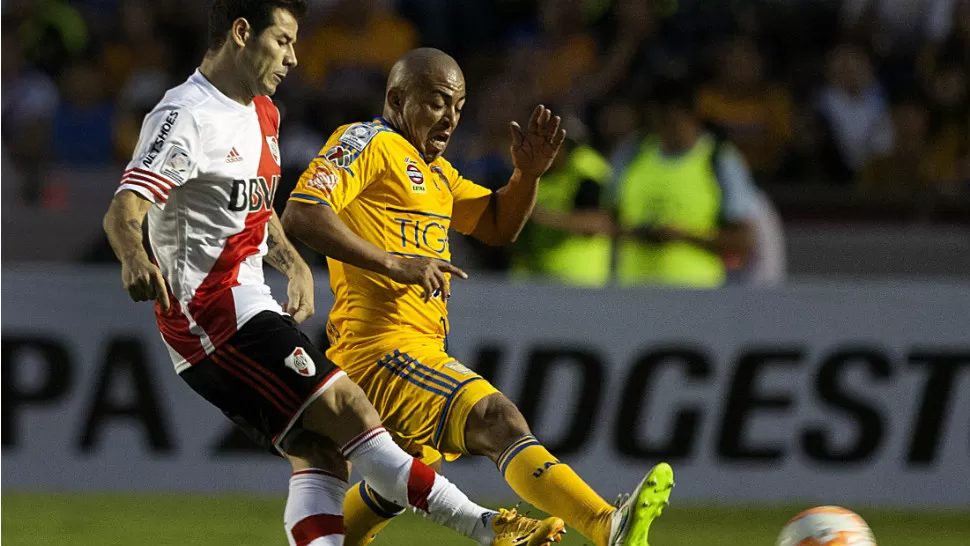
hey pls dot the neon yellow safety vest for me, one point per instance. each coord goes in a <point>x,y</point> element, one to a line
<point>554,254</point>
<point>680,192</point>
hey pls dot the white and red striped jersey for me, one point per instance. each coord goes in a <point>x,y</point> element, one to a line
<point>211,167</point>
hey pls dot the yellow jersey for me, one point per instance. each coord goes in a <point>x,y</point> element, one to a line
<point>383,190</point>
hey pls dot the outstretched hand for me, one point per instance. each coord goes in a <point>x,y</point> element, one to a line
<point>533,150</point>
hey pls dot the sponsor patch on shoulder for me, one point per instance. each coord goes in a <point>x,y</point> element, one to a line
<point>300,362</point>
<point>358,135</point>
<point>324,178</point>
<point>339,156</point>
<point>177,165</point>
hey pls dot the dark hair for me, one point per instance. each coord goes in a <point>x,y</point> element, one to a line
<point>259,13</point>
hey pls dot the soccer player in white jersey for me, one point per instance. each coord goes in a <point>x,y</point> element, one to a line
<point>205,172</point>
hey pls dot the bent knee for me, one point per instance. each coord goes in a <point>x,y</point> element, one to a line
<point>341,413</point>
<point>494,423</point>
<point>497,411</point>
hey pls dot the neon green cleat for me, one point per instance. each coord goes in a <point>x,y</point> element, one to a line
<point>632,519</point>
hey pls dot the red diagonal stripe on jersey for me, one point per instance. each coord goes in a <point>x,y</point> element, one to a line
<point>244,360</point>
<point>256,372</point>
<point>158,194</point>
<point>154,176</point>
<point>313,527</point>
<point>174,327</point>
<point>212,305</point>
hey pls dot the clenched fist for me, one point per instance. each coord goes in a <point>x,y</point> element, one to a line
<point>144,282</point>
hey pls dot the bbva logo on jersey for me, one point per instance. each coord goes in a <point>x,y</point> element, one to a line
<point>253,194</point>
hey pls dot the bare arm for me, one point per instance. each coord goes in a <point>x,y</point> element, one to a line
<point>734,240</point>
<point>283,257</point>
<point>532,153</point>
<point>580,222</point>
<point>281,254</point>
<point>508,210</point>
<point>319,227</point>
<point>122,224</point>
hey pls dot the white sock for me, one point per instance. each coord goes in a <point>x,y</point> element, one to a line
<point>314,509</point>
<point>406,481</point>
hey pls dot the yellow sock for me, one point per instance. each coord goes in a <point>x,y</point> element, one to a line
<point>365,514</point>
<point>542,481</point>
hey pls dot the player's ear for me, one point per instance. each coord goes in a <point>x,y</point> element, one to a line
<point>239,32</point>
<point>395,98</point>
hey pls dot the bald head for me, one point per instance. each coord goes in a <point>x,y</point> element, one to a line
<point>424,97</point>
<point>419,65</point>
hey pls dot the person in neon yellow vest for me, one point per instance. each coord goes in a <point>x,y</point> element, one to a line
<point>568,239</point>
<point>685,203</point>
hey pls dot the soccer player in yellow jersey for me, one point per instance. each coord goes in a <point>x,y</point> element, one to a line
<point>379,202</point>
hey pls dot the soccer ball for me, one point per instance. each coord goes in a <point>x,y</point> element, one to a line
<point>826,526</point>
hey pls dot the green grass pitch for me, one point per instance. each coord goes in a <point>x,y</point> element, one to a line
<point>235,520</point>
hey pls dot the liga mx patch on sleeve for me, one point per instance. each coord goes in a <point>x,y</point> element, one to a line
<point>358,136</point>
<point>300,362</point>
<point>177,165</point>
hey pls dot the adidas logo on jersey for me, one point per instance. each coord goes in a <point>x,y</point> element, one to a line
<point>233,156</point>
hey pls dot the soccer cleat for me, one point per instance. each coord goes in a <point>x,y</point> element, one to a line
<point>514,529</point>
<point>632,519</point>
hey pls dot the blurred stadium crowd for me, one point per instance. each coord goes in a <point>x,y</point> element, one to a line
<point>868,99</point>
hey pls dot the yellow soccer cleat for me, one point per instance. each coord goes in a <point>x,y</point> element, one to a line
<point>514,529</point>
<point>632,519</point>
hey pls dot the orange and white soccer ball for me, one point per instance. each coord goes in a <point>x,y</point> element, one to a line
<point>826,526</point>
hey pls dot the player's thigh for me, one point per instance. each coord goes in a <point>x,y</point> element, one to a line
<point>264,377</point>
<point>423,395</point>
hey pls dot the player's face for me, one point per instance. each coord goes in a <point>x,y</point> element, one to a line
<point>432,110</point>
<point>270,55</point>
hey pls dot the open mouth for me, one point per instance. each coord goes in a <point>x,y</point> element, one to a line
<point>440,140</point>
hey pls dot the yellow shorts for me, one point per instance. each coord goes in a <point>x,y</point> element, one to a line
<point>423,395</point>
